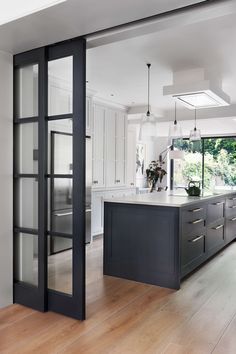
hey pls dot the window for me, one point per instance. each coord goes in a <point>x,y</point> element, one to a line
<point>211,161</point>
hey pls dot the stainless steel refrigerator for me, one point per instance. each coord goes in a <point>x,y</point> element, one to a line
<point>61,191</point>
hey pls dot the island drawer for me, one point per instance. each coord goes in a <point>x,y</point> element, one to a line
<point>193,248</point>
<point>230,229</point>
<point>230,206</point>
<point>193,220</point>
<point>215,211</point>
<point>215,236</point>
<point>194,212</point>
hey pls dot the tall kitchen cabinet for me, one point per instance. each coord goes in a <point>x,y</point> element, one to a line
<point>110,150</point>
<point>115,152</point>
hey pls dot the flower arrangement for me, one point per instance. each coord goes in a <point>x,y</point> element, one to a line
<point>155,173</point>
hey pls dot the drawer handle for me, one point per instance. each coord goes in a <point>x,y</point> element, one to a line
<point>196,239</point>
<point>232,207</point>
<point>218,227</point>
<point>232,198</point>
<point>234,219</point>
<point>218,203</point>
<point>196,221</point>
<point>195,210</point>
<point>64,214</point>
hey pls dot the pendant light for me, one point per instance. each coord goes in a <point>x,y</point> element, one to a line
<point>147,130</point>
<point>175,130</point>
<point>195,134</point>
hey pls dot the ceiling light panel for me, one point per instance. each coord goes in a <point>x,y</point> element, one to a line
<point>15,9</point>
<point>198,100</point>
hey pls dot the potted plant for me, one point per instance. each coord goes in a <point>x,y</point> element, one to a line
<point>155,173</point>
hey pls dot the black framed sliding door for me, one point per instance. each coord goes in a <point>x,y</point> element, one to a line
<point>49,178</point>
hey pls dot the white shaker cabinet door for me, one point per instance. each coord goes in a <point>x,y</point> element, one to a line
<point>131,158</point>
<point>98,146</point>
<point>110,148</point>
<point>120,149</point>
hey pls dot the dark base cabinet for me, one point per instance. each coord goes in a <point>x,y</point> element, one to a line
<point>161,244</point>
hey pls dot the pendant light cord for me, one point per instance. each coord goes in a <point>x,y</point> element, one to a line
<point>148,111</point>
<point>195,128</point>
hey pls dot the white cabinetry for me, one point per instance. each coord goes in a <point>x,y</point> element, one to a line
<point>98,146</point>
<point>109,147</point>
<point>110,162</point>
<point>120,147</point>
<point>131,158</point>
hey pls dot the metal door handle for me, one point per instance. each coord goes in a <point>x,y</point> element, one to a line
<point>232,207</point>
<point>232,198</point>
<point>195,210</point>
<point>64,214</point>
<point>233,219</point>
<point>218,203</point>
<point>88,210</point>
<point>196,221</point>
<point>196,239</point>
<point>218,227</point>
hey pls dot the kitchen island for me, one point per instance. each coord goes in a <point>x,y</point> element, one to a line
<point>159,238</point>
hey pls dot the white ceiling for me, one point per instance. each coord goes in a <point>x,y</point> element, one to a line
<point>75,18</point>
<point>120,68</point>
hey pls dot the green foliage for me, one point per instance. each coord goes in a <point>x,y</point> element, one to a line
<point>219,163</point>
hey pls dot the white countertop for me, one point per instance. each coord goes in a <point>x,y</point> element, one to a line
<point>165,198</point>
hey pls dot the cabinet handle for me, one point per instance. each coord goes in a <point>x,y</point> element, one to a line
<point>218,227</point>
<point>234,198</point>
<point>218,203</point>
<point>132,184</point>
<point>95,182</point>
<point>195,210</point>
<point>64,214</point>
<point>232,207</point>
<point>196,239</point>
<point>233,219</point>
<point>196,221</point>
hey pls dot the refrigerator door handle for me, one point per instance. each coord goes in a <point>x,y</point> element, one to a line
<point>64,214</point>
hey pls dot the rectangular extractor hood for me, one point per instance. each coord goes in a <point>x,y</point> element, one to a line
<point>197,94</point>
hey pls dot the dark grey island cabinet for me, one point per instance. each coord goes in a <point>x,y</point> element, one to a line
<point>159,239</point>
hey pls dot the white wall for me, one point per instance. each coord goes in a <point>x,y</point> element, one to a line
<point>6,163</point>
<point>152,151</point>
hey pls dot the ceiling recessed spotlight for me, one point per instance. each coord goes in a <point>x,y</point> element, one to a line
<point>112,94</point>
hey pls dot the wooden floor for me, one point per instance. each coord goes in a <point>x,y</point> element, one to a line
<point>125,317</point>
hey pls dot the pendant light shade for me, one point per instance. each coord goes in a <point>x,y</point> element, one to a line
<point>195,134</point>
<point>147,130</point>
<point>175,130</point>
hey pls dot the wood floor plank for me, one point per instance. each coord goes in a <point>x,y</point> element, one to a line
<point>125,317</point>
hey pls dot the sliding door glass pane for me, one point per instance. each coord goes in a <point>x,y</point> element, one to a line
<point>27,203</point>
<point>220,163</point>
<point>60,146</point>
<point>26,86</point>
<point>60,86</point>
<point>26,258</point>
<point>27,148</point>
<point>60,205</point>
<point>190,168</point>
<point>60,264</point>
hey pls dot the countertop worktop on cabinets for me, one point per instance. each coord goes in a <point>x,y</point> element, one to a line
<point>166,199</point>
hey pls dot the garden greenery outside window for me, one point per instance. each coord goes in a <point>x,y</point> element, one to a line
<point>211,161</point>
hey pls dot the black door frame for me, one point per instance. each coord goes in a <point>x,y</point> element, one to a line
<point>41,298</point>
